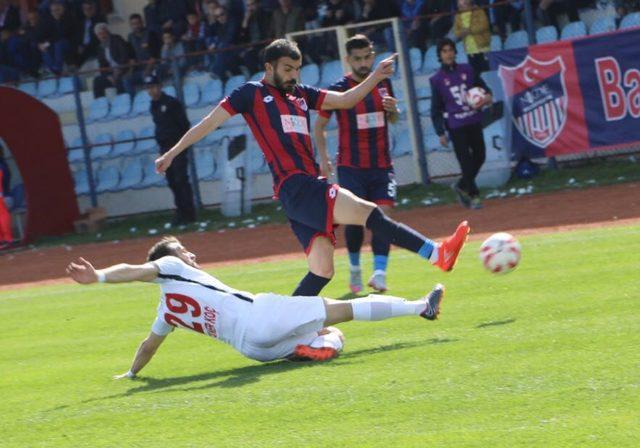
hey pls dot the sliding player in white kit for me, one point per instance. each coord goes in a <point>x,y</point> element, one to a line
<point>263,327</point>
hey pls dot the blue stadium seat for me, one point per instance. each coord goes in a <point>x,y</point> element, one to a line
<point>126,148</point>
<point>573,30</point>
<point>205,163</point>
<point>424,107</point>
<point>257,162</point>
<point>546,34</point>
<point>191,92</point>
<point>211,92</point>
<point>518,39</point>
<point>47,87</point>
<point>77,154</point>
<point>108,179</point>
<point>170,90</point>
<point>310,74</point>
<point>496,43</point>
<point>397,89</point>
<point>257,76</point>
<point>212,139</point>
<point>331,71</point>
<point>415,56</point>
<point>431,63</point>
<point>98,109</point>
<point>102,148</point>
<point>131,175</point>
<point>432,142</point>
<point>151,178</point>
<point>401,142</point>
<point>120,106</point>
<point>461,56</point>
<point>30,88</point>
<point>141,104</point>
<point>603,25</point>
<point>493,82</point>
<point>81,181</point>
<point>233,83</point>
<point>65,85</point>
<point>149,144</point>
<point>380,57</point>
<point>630,20</point>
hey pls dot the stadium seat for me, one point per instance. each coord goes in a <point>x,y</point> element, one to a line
<point>397,89</point>
<point>233,83</point>
<point>310,74</point>
<point>81,181</point>
<point>496,43</point>
<point>205,163</point>
<point>77,154</point>
<point>108,179</point>
<point>131,175</point>
<point>211,93</point>
<point>630,20</point>
<point>102,147</point>
<point>493,82</point>
<point>546,34</point>
<point>401,142</point>
<point>331,72</point>
<point>65,85</point>
<point>603,25</point>
<point>170,90</point>
<point>461,56</point>
<point>30,88</point>
<point>125,148</point>
<point>257,162</point>
<point>98,109</point>
<point>141,103</point>
<point>518,39</point>
<point>147,145</point>
<point>432,142</point>
<point>380,57</point>
<point>424,107</point>
<point>257,76</point>
<point>47,87</point>
<point>431,63</point>
<point>150,177</point>
<point>191,92</point>
<point>573,30</point>
<point>120,106</point>
<point>415,56</point>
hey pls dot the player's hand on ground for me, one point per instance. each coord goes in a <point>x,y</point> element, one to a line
<point>390,104</point>
<point>444,141</point>
<point>163,163</point>
<point>384,69</point>
<point>82,272</point>
<point>124,376</point>
<point>326,168</point>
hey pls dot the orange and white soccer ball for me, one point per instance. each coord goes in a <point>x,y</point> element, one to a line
<point>475,96</point>
<point>500,253</point>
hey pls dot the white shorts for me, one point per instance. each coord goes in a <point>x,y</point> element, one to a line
<point>276,324</point>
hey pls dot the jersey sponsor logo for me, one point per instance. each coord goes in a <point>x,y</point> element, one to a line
<point>383,91</point>
<point>370,120</point>
<point>537,96</point>
<point>267,99</point>
<point>302,103</point>
<point>210,316</point>
<point>294,124</point>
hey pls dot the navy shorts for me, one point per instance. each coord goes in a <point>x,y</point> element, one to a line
<point>373,184</point>
<point>308,203</point>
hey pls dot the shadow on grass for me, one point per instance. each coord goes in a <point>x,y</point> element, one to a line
<point>496,323</point>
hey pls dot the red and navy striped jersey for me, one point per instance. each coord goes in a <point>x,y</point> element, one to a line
<point>280,123</point>
<point>363,130</point>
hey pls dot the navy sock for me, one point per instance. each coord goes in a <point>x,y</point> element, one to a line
<point>398,234</point>
<point>354,236</point>
<point>311,285</point>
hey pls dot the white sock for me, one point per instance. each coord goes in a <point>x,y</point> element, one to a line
<point>377,307</point>
<point>331,340</point>
<point>433,258</point>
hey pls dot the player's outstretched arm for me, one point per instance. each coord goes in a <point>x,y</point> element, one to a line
<point>84,273</point>
<point>144,354</point>
<point>208,124</point>
<point>348,99</point>
<point>326,168</point>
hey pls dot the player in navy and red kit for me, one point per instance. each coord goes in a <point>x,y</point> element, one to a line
<point>364,161</point>
<point>277,111</point>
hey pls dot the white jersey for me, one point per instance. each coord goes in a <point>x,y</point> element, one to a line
<point>195,300</point>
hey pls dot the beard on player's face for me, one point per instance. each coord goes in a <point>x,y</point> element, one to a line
<point>362,72</point>
<point>282,84</point>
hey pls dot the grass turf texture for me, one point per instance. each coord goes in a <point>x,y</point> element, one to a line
<point>546,356</point>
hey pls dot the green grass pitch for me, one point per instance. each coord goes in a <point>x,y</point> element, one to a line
<point>548,356</point>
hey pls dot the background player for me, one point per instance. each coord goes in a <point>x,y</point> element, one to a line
<point>277,111</point>
<point>364,161</point>
<point>263,327</point>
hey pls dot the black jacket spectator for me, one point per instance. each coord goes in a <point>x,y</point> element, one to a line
<point>86,39</point>
<point>114,56</point>
<point>377,10</point>
<point>53,30</point>
<point>9,17</point>
<point>170,119</point>
<point>286,19</point>
<point>155,15</point>
<point>144,42</point>
<point>338,12</point>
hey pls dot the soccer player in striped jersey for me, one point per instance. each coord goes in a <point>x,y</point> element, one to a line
<point>263,327</point>
<point>364,160</point>
<point>277,112</point>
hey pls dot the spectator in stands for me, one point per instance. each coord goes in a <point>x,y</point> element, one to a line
<point>624,7</point>
<point>287,18</point>
<point>254,28</point>
<point>170,119</point>
<point>145,45</point>
<point>472,28</point>
<point>27,54</point>
<point>223,60</point>
<point>176,16</point>
<point>502,14</point>
<point>115,57</point>
<point>9,17</point>
<point>193,38</point>
<point>8,70</point>
<point>414,25</point>
<point>155,15</point>
<point>377,10</point>
<point>172,53</point>
<point>56,36</point>
<point>440,23</point>
<point>550,10</point>
<point>337,12</point>
<point>86,38</point>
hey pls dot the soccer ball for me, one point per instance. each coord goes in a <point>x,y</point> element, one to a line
<point>475,96</point>
<point>500,253</point>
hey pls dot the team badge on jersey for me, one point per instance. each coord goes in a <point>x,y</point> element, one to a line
<point>302,103</point>
<point>537,95</point>
<point>383,91</point>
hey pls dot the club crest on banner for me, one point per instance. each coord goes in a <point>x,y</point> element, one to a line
<point>537,96</point>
